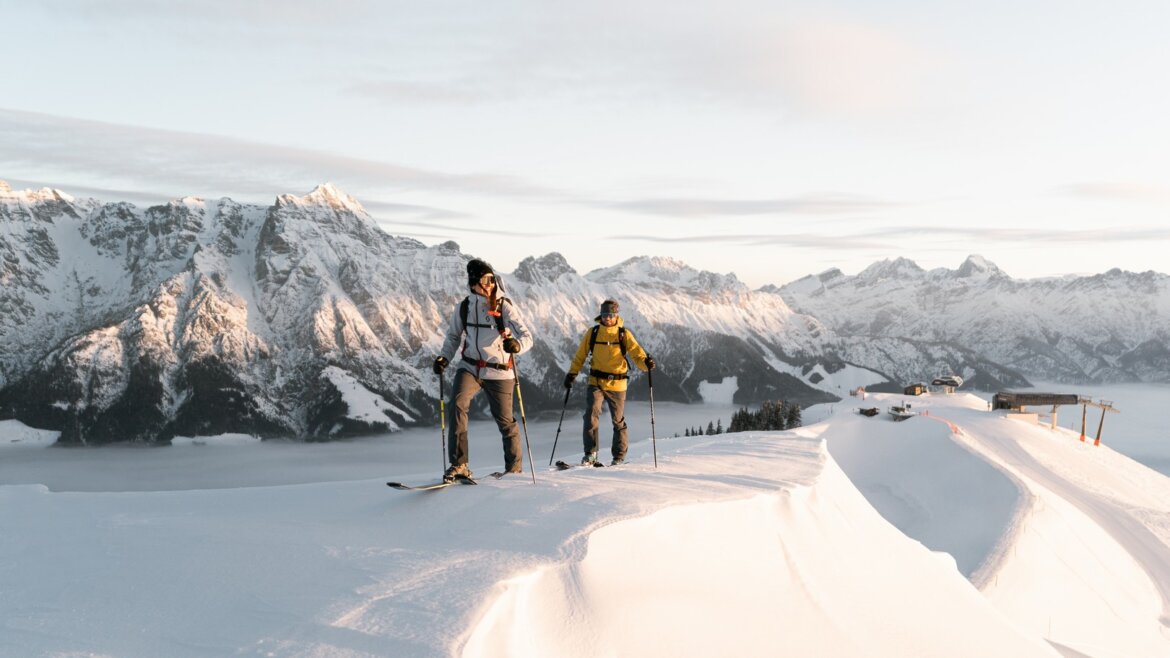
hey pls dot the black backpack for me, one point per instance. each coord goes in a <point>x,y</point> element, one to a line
<point>465,306</point>
<point>621,342</point>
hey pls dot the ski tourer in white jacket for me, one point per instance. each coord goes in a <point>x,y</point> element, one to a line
<point>484,333</point>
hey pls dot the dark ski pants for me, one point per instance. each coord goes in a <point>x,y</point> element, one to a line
<point>499,394</point>
<point>617,413</point>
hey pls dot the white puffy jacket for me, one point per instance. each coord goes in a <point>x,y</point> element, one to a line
<point>484,343</point>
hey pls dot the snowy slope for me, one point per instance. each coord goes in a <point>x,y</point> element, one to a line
<point>1107,327</point>
<point>735,545</point>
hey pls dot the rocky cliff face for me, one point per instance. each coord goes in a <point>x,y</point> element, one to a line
<point>200,317</point>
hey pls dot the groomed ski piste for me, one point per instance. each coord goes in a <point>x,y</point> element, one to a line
<point>1026,542</point>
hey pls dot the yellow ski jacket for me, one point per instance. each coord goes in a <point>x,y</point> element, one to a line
<point>608,370</point>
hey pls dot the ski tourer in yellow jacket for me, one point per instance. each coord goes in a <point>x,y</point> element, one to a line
<point>608,368</point>
<point>607,345</point>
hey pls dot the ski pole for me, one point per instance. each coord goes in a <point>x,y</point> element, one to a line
<point>523,420</point>
<point>442,421</point>
<point>653,431</point>
<point>558,436</point>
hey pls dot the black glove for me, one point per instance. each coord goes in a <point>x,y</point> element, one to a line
<point>650,362</point>
<point>511,345</point>
<point>440,365</point>
<point>569,377</point>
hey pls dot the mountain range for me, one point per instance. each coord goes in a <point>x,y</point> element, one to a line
<point>1111,327</point>
<point>303,318</point>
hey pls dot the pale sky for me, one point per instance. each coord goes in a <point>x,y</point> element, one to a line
<point>768,139</point>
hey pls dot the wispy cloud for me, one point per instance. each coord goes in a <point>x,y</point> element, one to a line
<point>450,232</point>
<point>162,161</point>
<point>794,240</point>
<point>254,13</point>
<point>1117,191</point>
<point>773,59</point>
<point>803,205</point>
<point>968,235</point>
<point>392,91</point>
<point>390,211</point>
<point>891,238</point>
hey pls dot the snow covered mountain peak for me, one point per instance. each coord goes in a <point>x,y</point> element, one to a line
<point>978,266</point>
<point>546,269</point>
<point>325,194</point>
<point>667,273</point>
<point>809,284</point>
<point>190,202</point>
<point>830,274</point>
<point>898,268</point>
<point>32,196</point>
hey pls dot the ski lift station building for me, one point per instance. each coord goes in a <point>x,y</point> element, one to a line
<point>1017,401</point>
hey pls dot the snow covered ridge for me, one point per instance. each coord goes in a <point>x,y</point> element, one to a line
<point>1111,327</point>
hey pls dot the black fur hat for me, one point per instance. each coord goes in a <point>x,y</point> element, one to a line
<point>476,268</point>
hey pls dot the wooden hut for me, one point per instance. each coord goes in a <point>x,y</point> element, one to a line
<point>915,389</point>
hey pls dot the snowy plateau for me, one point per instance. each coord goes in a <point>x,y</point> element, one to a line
<point>303,319</point>
<point>959,532</point>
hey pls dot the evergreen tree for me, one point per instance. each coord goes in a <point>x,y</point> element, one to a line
<point>770,417</point>
<point>719,426</point>
<point>794,416</point>
<point>710,428</point>
<point>737,420</point>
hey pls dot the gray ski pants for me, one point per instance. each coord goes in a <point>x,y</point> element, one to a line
<point>617,414</point>
<point>499,394</point>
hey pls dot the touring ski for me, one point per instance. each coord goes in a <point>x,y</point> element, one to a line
<point>459,479</point>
